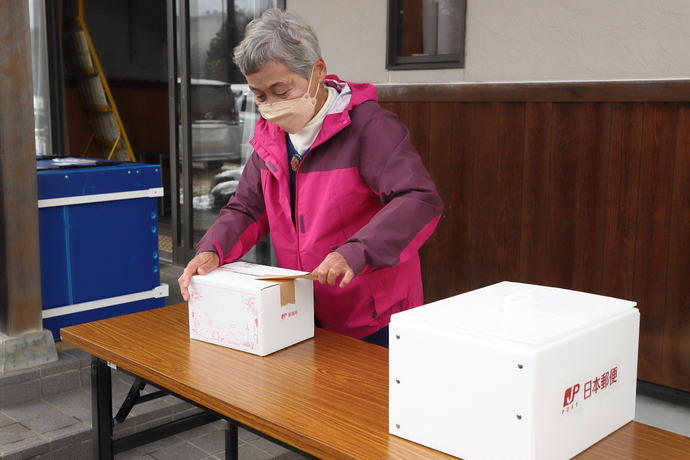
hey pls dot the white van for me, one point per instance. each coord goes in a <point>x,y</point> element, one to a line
<point>216,128</point>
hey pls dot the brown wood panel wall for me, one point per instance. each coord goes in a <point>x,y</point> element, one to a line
<point>580,186</point>
<point>142,107</point>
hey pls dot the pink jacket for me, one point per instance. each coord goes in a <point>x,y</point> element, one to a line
<point>362,190</point>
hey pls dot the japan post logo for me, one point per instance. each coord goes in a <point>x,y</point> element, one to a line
<point>570,394</point>
<point>593,385</point>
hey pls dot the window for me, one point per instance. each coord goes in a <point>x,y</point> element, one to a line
<point>426,34</point>
<point>39,63</point>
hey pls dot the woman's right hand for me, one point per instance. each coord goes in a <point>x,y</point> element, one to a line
<point>202,264</point>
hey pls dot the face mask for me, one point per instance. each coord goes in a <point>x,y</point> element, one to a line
<point>293,114</point>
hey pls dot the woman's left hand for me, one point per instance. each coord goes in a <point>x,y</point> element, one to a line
<point>333,267</point>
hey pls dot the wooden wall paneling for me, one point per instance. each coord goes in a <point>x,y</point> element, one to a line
<point>417,116</point>
<point>511,144</point>
<point>621,203</point>
<point>652,245</point>
<point>535,193</point>
<point>676,360</point>
<point>566,145</point>
<point>556,91</point>
<point>458,205</point>
<point>143,109</point>
<point>485,198</point>
<point>605,202</point>
<point>592,184</point>
<point>439,266</point>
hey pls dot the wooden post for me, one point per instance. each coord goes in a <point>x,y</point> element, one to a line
<point>22,338</point>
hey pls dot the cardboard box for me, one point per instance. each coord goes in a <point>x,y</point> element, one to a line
<point>232,308</point>
<point>513,371</point>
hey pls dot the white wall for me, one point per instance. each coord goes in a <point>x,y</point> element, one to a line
<point>518,40</point>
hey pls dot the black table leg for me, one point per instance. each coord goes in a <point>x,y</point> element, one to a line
<point>101,409</point>
<point>231,440</point>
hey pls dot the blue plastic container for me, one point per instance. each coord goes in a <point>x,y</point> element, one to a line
<point>98,223</point>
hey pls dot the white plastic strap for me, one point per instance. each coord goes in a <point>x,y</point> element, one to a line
<point>83,199</point>
<point>155,293</point>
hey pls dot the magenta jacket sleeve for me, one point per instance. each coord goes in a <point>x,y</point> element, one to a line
<point>412,207</point>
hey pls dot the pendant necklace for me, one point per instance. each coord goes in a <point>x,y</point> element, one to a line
<point>295,161</point>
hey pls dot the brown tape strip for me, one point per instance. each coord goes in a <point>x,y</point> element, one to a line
<point>308,276</point>
<point>287,292</point>
<point>287,285</point>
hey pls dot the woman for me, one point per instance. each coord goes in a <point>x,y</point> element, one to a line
<point>334,178</point>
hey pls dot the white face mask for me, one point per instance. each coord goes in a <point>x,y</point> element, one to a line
<point>293,114</point>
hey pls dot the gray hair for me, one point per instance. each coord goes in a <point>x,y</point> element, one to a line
<point>278,36</point>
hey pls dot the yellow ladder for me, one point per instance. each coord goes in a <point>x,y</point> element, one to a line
<point>95,95</point>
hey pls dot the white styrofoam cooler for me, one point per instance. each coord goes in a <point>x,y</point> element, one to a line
<point>232,308</point>
<point>513,371</point>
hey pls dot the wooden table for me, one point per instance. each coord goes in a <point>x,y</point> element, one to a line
<point>326,397</point>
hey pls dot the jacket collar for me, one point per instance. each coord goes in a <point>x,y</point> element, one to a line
<point>272,137</point>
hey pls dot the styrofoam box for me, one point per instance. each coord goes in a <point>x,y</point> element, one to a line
<point>513,371</point>
<point>230,307</point>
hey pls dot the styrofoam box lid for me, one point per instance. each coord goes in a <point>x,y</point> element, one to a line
<point>244,273</point>
<point>525,313</point>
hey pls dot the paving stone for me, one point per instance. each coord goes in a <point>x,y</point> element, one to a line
<point>139,425</point>
<point>85,378</point>
<point>211,443</point>
<point>68,435</point>
<point>246,436</point>
<point>20,394</point>
<point>82,413</point>
<point>125,377</point>
<point>83,357</point>
<point>122,431</point>
<point>134,454</point>
<point>20,376</point>
<point>5,420</point>
<point>26,448</point>
<point>64,363</point>
<point>80,451</point>
<point>13,433</point>
<point>152,409</point>
<point>289,455</point>
<point>60,383</point>
<point>49,421</point>
<point>250,452</point>
<point>269,447</point>
<point>67,400</point>
<point>28,411</point>
<point>199,431</point>
<point>120,389</point>
<point>175,401</point>
<point>162,444</point>
<point>177,415</point>
<point>183,451</point>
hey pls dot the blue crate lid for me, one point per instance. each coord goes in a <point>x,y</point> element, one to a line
<point>60,177</point>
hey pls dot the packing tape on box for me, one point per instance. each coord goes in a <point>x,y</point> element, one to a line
<point>308,276</point>
<point>287,292</point>
<point>287,285</point>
